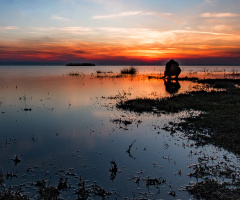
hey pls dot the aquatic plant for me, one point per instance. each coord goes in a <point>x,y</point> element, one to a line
<point>154,181</point>
<point>84,191</point>
<point>103,72</point>
<point>16,160</point>
<point>62,184</point>
<point>220,112</point>
<point>13,195</point>
<point>1,180</point>
<point>129,147</point>
<point>99,71</point>
<point>120,121</point>
<point>75,73</point>
<point>131,70</point>
<point>114,169</point>
<point>212,189</point>
<point>27,109</point>
<point>216,123</point>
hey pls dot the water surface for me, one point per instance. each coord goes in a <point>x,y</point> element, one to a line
<point>68,126</point>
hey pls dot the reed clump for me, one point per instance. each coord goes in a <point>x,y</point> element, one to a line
<point>130,70</point>
<point>74,73</point>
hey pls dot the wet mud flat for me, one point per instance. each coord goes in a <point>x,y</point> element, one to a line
<point>217,123</point>
<point>141,162</point>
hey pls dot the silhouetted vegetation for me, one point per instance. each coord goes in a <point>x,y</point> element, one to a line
<point>84,190</point>
<point>79,74</point>
<point>129,149</point>
<point>16,160</point>
<point>220,114</point>
<point>131,70</point>
<point>9,194</point>
<point>73,73</point>
<point>217,123</point>
<point>114,169</point>
<point>103,72</point>
<point>211,189</point>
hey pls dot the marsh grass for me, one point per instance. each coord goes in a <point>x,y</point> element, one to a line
<point>131,70</point>
<point>217,123</point>
<point>44,190</point>
<point>103,72</point>
<point>220,115</point>
<point>114,169</point>
<point>73,73</point>
<point>9,194</point>
<point>76,73</point>
<point>234,73</point>
<point>212,189</point>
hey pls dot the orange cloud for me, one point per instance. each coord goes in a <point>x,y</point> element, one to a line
<point>115,44</point>
<point>219,15</point>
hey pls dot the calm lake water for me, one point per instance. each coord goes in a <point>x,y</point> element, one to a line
<point>68,126</point>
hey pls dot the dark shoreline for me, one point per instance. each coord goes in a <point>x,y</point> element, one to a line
<point>217,124</point>
<point>221,110</point>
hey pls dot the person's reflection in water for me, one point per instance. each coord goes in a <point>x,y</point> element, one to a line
<point>172,86</point>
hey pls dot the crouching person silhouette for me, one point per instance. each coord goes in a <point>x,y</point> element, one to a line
<point>172,69</point>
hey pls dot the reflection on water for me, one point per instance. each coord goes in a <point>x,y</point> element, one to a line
<point>172,85</point>
<point>64,126</point>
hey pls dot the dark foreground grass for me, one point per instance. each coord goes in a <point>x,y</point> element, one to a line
<point>217,124</point>
<point>220,116</point>
<point>211,189</point>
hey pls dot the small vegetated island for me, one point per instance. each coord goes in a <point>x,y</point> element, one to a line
<point>80,64</point>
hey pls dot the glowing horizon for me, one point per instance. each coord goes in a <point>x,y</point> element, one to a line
<point>106,31</point>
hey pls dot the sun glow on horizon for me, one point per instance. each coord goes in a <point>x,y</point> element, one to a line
<point>119,31</point>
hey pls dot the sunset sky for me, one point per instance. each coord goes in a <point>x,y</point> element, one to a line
<point>120,31</point>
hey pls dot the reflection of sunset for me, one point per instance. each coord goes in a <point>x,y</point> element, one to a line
<point>65,121</point>
<point>65,91</point>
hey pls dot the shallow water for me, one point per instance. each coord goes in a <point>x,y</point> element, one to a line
<point>68,126</point>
